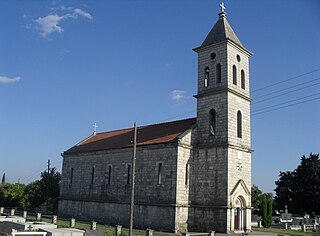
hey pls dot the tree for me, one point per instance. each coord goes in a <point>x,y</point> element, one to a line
<point>50,188</point>
<point>12,195</point>
<point>3,178</point>
<point>33,194</point>
<point>300,188</point>
<point>255,197</point>
<point>269,211</point>
<point>264,210</point>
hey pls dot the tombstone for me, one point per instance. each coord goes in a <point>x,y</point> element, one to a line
<point>12,212</point>
<point>149,232</point>
<point>286,217</point>
<point>90,232</point>
<point>72,222</point>
<point>25,213</point>
<point>118,230</point>
<point>211,233</point>
<point>303,227</point>
<point>38,216</point>
<point>1,210</point>
<point>259,224</point>
<point>54,219</point>
<point>93,225</point>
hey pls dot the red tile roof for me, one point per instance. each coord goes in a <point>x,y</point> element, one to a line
<point>149,134</point>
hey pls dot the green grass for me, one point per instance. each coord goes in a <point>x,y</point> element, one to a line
<point>107,228</point>
<point>285,231</point>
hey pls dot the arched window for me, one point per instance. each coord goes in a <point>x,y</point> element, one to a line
<point>212,121</point>
<point>159,173</point>
<point>206,76</point>
<point>243,80</point>
<point>239,124</point>
<point>218,73</point>
<point>71,176</point>
<point>234,70</point>
<point>92,175</point>
<point>109,174</point>
<point>186,178</point>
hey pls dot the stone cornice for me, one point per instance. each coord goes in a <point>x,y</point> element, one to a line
<point>218,90</point>
<point>226,41</point>
<point>225,145</point>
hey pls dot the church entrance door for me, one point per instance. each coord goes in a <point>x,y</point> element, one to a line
<point>239,214</point>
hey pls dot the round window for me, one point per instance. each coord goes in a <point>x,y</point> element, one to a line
<point>213,56</point>
<point>238,58</point>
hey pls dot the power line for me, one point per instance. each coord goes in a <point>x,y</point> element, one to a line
<point>280,82</point>
<point>285,106</point>
<point>170,118</point>
<point>282,94</point>
<point>297,85</point>
<point>279,104</point>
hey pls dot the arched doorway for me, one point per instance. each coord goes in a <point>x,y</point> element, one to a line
<point>239,214</point>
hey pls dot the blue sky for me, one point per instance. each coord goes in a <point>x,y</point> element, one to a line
<point>65,65</point>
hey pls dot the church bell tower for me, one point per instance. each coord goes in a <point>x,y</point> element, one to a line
<point>222,162</point>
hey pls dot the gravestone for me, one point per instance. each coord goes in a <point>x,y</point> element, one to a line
<point>286,217</point>
<point>90,232</point>
<point>72,222</point>
<point>1,210</point>
<point>38,216</point>
<point>93,225</point>
<point>149,232</point>
<point>211,233</point>
<point>54,219</point>
<point>12,212</point>
<point>118,230</point>
<point>25,213</point>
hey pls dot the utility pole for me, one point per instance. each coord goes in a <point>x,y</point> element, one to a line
<point>133,168</point>
<point>48,182</point>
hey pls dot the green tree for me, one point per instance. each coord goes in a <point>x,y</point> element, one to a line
<point>33,194</point>
<point>255,197</point>
<point>50,188</point>
<point>264,210</point>
<point>12,195</point>
<point>269,211</point>
<point>300,188</point>
<point>3,178</point>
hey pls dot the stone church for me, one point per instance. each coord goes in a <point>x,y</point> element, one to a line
<point>192,174</point>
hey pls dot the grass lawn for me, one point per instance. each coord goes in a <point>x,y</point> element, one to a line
<point>285,231</point>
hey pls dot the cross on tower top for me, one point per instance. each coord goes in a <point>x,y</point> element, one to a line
<point>95,128</point>
<point>222,7</point>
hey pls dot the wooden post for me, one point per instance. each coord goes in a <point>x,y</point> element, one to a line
<point>133,169</point>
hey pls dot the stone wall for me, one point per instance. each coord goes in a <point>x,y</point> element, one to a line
<point>147,188</point>
<point>98,200</point>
